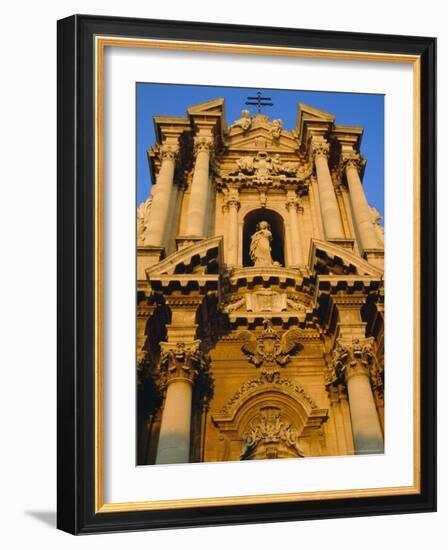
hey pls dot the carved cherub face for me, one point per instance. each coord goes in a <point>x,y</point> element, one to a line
<point>263,225</point>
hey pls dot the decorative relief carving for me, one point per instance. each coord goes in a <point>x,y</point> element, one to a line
<point>182,360</point>
<point>272,430</point>
<point>295,304</point>
<point>254,383</point>
<point>143,212</point>
<point>265,300</point>
<point>350,358</point>
<point>263,168</point>
<point>377,378</point>
<point>232,306</point>
<point>269,351</point>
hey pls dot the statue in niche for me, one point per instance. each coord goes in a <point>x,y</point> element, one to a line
<point>260,246</point>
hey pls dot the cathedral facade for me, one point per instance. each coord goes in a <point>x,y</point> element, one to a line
<point>260,292</point>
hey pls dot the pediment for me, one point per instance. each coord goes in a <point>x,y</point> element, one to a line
<point>261,138</point>
<point>213,107</point>
<point>200,258</point>
<point>331,259</point>
<point>309,117</point>
<point>306,112</point>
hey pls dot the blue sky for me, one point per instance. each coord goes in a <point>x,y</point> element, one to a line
<point>366,110</point>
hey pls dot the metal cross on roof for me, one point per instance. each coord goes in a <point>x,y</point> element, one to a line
<point>259,101</point>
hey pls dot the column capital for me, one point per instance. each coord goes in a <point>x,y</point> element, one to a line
<point>352,159</point>
<point>169,151</point>
<point>182,361</point>
<point>319,147</point>
<point>292,201</point>
<point>350,357</point>
<point>203,143</point>
<point>232,198</point>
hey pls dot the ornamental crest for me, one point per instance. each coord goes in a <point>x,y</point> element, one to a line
<point>271,429</point>
<point>269,351</point>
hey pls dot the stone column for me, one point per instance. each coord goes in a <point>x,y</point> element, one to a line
<point>233,204</point>
<point>331,215</point>
<point>161,201</point>
<point>352,361</point>
<point>197,208</point>
<point>360,207</point>
<point>293,205</point>
<point>180,363</point>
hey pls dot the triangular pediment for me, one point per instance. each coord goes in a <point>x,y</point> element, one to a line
<point>331,259</point>
<point>261,138</point>
<point>202,257</point>
<point>310,113</point>
<point>213,107</point>
<point>310,118</point>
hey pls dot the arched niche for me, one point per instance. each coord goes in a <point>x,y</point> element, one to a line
<point>276,222</point>
<point>267,420</point>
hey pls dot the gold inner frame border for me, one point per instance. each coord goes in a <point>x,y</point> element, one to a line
<point>101,42</point>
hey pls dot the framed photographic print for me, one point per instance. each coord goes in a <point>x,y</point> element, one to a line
<point>246,270</point>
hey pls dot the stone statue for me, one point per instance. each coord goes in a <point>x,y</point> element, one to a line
<point>276,128</point>
<point>244,122</point>
<point>142,220</point>
<point>246,164</point>
<point>260,246</point>
<point>376,220</point>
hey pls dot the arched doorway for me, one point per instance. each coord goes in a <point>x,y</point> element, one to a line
<point>275,221</point>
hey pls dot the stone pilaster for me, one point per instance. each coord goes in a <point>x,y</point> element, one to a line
<point>233,205</point>
<point>162,192</point>
<point>293,206</point>
<point>331,215</point>
<point>199,195</point>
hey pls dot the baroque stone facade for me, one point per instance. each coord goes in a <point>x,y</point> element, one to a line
<point>260,298</point>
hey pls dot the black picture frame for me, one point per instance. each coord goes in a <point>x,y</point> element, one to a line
<point>76,256</point>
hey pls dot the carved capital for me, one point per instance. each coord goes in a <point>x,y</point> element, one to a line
<point>233,202</point>
<point>353,159</point>
<point>182,361</point>
<point>232,199</point>
<point>203,144</point>
<point>319,148</point>
<point>169,151</point>
<point>292,202</point>
<point>350,358</point>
